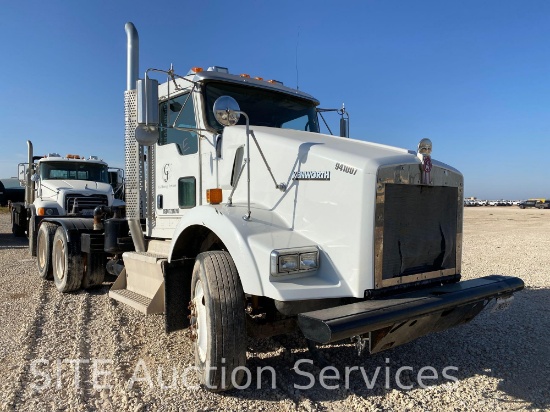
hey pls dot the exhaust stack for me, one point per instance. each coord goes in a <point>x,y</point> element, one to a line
<point>134,189</point>
<point>132,56</point>
<point>29,183</point>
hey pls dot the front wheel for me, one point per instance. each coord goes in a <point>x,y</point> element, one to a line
<point>66,262</point>
<point>218,323</point>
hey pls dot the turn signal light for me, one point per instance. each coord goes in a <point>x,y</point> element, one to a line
<point>46,211</point>
<point>214,196</point>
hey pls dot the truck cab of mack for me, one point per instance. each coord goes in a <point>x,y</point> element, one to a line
<point>58,187</point>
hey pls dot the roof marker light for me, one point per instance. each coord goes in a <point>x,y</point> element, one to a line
<point>246,76</point>
<point>218,69</point>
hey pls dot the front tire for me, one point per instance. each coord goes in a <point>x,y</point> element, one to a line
<point>44,242</point>
<point>218,321</point>
<point>66,262</point>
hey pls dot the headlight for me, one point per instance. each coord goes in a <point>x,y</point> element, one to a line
<point>295,260</point>
<point>47,211</point>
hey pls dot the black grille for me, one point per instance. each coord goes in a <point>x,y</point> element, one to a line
<point>420,228</point>
<point>76,203</point>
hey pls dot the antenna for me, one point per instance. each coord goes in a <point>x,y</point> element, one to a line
<point>297,42</point>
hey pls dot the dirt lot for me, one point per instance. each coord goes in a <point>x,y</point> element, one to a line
<point>53,347</point>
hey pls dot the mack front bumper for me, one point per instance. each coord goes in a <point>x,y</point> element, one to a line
<point>399,319</point>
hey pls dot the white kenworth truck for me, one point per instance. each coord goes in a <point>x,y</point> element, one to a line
<point>71,187</point>
<point>243,220</point>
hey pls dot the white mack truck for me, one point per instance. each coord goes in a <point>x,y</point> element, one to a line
<point>70,187</point>
<point>243,220</point>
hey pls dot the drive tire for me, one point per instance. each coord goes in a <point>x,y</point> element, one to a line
<point>66,262</point>
<point>218,321</point>
<point>44,242</point>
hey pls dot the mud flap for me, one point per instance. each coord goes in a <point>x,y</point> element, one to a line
<point>94,259</point>
<point>177,293</point>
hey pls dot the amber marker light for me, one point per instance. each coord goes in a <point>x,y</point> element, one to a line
<point>246,76</point>
<point>196,69</point>
<point>214,196</point>
<point>258,78</point>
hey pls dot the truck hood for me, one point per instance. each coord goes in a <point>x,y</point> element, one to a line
<point>332,186</point>
<point>365,157</point>
<point>83,186</point>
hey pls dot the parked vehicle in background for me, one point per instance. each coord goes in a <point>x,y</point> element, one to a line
<point>527,203</point>
<point>55,186</point>
<point>11,191</point>
<point>543,205</point>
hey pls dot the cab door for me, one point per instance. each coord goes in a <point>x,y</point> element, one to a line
<point>176,169</point>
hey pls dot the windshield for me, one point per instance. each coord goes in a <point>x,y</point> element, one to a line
<point>74,171</point>
<point>263,107</point>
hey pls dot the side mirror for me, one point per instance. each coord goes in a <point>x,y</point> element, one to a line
<point>147,111</point>
<point>35,177</point>
<point>227,111</point>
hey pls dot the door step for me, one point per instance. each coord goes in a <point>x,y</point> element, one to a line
<point>141,283</point>
<point>132,299</point>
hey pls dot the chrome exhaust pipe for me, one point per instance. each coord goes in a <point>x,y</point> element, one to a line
<point>134,152</point>
<point>132,67</point>
<point>29,184</point>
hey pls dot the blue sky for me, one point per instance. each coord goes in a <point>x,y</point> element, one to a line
<point>473,76</point>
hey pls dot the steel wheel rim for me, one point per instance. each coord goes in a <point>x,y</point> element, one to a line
<point>59,259</point>
<point>200,311</point>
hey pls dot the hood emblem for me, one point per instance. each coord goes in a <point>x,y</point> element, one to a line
<point>311,175</point>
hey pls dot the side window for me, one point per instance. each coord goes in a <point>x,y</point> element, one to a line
<point>187,192</point>
<point>181,111</point>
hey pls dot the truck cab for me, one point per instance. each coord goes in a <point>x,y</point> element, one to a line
<point>71,185</point>
<point>58,188</point>
<point>241,207</point>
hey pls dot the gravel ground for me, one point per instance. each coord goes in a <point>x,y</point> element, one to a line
<point>499,361</point>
